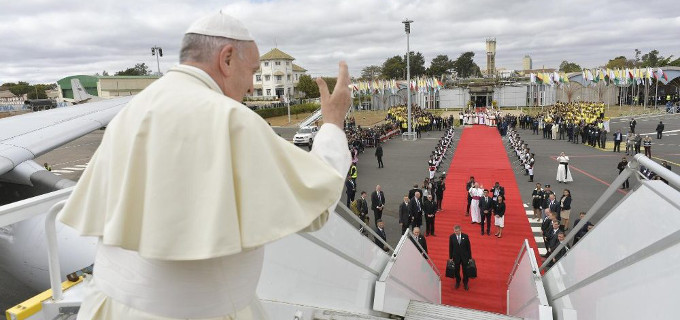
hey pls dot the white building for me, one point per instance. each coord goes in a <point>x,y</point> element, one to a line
<point>278,75</point>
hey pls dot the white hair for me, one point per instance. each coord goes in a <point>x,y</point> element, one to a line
<point>201,48</point>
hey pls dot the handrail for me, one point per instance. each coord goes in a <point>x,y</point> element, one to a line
<point>31,207</point>
<point>364,225</point>
<point>658,169</point>
<point>427,257</point>
<point>53,250</point>
<point>525,247</point>
<point>630,170</point>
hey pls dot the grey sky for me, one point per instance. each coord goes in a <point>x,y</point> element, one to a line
<point>43,41</point>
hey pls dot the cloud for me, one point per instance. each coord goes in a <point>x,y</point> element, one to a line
<point>44,41</point>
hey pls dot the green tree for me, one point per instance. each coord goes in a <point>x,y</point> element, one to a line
<point>653,59</point>
<point>465,66</point>
<point>371,72</point>
<point>620,62</point>
<point>330,82</point>
<point>440,65</point>
<point>675,63</point>
<point>394,68</point>
<point>567,66</point>
<point>140,69</point>
<point>416,63</point>
<point>308,86</point>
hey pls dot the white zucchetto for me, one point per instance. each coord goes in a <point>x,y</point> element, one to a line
<point>220,25</point>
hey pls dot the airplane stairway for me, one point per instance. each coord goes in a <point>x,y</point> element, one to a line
<point>426,311</point>
<point>316,115</point>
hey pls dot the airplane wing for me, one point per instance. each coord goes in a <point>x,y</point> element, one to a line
<point>25,137</point>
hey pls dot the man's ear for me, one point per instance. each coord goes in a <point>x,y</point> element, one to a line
<point>226,59</point>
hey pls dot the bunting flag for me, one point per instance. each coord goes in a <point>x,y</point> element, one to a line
<point>661,74</point>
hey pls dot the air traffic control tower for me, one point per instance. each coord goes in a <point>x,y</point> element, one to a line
<point>491,57</point>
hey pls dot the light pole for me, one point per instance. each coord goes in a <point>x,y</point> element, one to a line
<point>407,27</point>
<point>158,52</point>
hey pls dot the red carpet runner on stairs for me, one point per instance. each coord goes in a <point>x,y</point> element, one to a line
<point>480,153</point>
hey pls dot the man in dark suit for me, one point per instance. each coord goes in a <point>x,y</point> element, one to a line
<point>632,124</point>
<point>379,155</point>
<point>415,209</point>
<point>350,190</point>
<point>559,239</point>
<point>496,191</point>
<point>618,137</point>
<point>554,206</point>
<point>377,203</point>
<point>460,252</point>
<point>485,207</point>
<point>469,185</point>
<point>430,210</point>
<point>404,215</point>
<point>551,236</point>
<point>413,191</point>
<point>441,186</point>
<point>659,130</point>
<point>420,239</point>
<point>362,207</point>
<point>380,230</point>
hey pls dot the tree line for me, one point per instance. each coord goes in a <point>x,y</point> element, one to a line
<point>395,67</point>
<point>639,60</point>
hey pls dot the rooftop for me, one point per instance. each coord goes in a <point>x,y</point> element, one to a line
<point>276,54</point>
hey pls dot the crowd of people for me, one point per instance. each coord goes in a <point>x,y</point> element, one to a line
<point>422,120</point>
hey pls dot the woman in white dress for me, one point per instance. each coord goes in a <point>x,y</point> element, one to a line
<point>563,172</point>
<point>476,192</point>
<point>555,130</point>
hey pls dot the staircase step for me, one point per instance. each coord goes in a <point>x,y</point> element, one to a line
<point>426,311</point>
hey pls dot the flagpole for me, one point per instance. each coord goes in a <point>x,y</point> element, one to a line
<point>656,92</point>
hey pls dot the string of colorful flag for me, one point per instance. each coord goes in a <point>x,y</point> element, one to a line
<point>421,84</point>
<point>608,76</point>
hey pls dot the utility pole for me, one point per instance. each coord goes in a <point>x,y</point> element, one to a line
<point>407,27</point>
<point>158,52</point>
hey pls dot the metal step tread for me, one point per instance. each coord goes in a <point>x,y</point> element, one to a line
<point>421,311</point>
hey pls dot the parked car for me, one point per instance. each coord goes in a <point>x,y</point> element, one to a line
<point>305,136</point>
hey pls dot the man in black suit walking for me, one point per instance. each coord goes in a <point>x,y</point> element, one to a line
<point>377,203</point>
<point>379,155</point>
<point>460,252</point>
<point>404,215</point>
<point>485,206</point>
<point>659,130</point>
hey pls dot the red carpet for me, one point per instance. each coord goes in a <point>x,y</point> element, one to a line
<point>480,153</point>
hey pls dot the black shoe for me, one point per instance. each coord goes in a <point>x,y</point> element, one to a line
<point>457,285</point>
<point>488,233</point>
<point>466,287</point>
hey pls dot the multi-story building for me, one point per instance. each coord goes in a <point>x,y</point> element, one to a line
<point>278,76</point>
<point>526,63</point>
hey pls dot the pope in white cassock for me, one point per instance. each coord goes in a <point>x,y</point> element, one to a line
<point>476,193</point>
<point>563,172</point>
<point>188,184</point>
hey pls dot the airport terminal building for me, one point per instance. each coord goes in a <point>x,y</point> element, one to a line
<point>106,86</point>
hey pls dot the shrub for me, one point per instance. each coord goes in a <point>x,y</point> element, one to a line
<point>296,109</point>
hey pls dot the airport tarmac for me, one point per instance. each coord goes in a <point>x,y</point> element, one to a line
<point>406,163</point>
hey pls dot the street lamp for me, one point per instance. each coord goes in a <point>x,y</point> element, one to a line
<point>158,52</point>
<point>407,28</point>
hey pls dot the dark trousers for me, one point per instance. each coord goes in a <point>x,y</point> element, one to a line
<point>626,184</point>
<point>350,198</point>
<point>456,273</point>
<point>659,134</point>
<point>377,214</point>
<point>429,226</point>
<point>468,204</point>
<point>487,217</point>
<point>648,152</point>
<point>617,146</point>
<point>404,227</point>
<point>380,163</point>
<point>440,198</point>
<point>637,149</point>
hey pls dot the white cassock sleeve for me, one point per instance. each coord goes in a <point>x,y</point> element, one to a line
<point>207,181</point>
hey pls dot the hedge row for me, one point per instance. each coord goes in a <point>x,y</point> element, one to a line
<point>299,108</point>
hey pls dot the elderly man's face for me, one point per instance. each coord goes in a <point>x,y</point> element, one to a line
<point>242,66</point>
